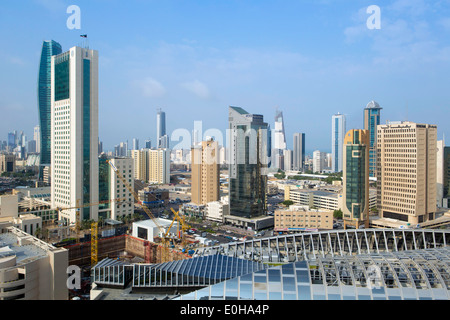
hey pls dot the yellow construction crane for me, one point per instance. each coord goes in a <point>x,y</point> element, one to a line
<point>164,240</point>
<point>182,224</point>
<point>94,243</point>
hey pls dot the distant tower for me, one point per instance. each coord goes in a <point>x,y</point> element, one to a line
<point>160,128</point>
<point>337,140</point>
<point>279,141</point>
<point>372,114</point>
<point>299,152</point>
<point>49,49</point>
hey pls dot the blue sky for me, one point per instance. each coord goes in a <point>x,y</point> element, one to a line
<point>193,59</point>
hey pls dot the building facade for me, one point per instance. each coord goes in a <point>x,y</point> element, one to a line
<point>300,218</point>
<point>356,178</point>
<point>372,118</point>
<point>7,163</point>
<point>159,166</point>
<point>205,172</point>
<point>406,171</point>
<point>74,132</point>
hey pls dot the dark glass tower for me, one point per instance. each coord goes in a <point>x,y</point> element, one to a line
<point>248,163</point>
<point>356,178</point>
<point>49,48</point>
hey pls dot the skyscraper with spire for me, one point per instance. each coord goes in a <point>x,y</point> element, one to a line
<point>372,117</point>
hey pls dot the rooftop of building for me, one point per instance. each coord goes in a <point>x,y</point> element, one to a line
<point>25,247</point>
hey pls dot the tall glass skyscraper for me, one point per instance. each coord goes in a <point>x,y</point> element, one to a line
<point>49,48</point>
<point>248,163</point>
<point>356,178</point>
<point>337,141</point>
<point>371,120</point>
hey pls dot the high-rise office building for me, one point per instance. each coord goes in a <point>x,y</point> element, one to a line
<point>287,155</point>
<point>160,127</point>
<point>446,180</point>
<point>49,49</point>
<point>37,138</point>
<point>74,132</point>
<point>279,141</point>
<point>247,163</point>
<point>112,188</point>
<point>319,161</point>
<point>372,117</point>
<point>440,171</point>
<point>298,159</point>
<point>406,171</point>
<point>11,140</point>
<point>338,128</point>
<point>205,172</point>
<point>356,178</point>
<point>135,144</point>
<point>148,144</point>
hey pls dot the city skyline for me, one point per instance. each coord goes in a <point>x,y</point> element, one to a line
<point>192,71</point>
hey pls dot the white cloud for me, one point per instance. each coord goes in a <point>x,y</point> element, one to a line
<point>198,88</point>
<point>151,88</point>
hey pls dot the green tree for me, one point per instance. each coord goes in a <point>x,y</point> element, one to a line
<point>288,203</point>
<point>337,214</point>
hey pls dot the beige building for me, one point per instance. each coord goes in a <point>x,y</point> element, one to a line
<point>7,163</point>
<point>297,218</point>
<point>140,158</point>
<point>205,173</point>
<point>152,165</point>
<point>159,166</point>
<point>31,269</point>
<point>118,189</point>
<point>406,171</point>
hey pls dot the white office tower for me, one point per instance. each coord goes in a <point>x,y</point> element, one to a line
<point>337,141</point>
<point>279,141</point>
<point>287,155</point>
<point>135,144</point>
<point>74,133</point>
<point>319,161</point>
<point>37,138</point>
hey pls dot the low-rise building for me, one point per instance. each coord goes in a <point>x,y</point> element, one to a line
<point>149,230</point>
<point>31,269</point>
<point>216,210</point>
<point>301,218</point>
